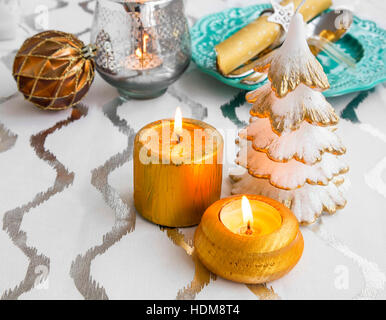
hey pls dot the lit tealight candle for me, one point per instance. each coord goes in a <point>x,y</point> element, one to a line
<point>249,239</point>
<point>177,170</point>
<point>250,217</point>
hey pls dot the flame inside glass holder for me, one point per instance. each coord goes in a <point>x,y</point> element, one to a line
<point>142,46</point>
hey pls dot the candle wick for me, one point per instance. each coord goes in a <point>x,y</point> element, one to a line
<point>176,138</point>
<point>249,230</point>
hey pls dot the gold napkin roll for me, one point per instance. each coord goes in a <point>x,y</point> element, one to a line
<point>259,35</point>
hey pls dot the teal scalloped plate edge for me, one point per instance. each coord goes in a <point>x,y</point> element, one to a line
<point>365,42</point>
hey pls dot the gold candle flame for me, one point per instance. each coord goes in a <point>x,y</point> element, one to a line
<point>246,210</point>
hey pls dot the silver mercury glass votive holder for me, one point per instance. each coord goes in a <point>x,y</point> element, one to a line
<point>142,46</point>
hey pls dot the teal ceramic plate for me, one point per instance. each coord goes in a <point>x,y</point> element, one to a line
<point>365,42</point>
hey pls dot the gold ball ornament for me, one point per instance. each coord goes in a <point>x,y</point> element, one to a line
<point>248,259</point>
<point>54,70</point>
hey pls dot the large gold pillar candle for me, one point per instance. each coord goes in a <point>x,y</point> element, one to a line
<point>249,239</point>
<point>177,171</point>
<point>259,35</point>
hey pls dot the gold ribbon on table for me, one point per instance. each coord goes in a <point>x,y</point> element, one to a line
<point>259,35</point>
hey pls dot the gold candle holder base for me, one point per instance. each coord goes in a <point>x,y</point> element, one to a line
<point>248,259</point>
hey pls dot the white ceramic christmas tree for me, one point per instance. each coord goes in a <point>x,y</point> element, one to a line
<point>290,147</point>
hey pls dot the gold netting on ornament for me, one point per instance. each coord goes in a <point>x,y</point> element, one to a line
<point>78,68</point>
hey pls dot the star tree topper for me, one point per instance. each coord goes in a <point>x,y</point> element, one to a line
<point>282,14</point>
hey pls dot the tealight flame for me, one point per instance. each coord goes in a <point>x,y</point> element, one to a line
<point>247,211</point>
<point>145,40</point>
<point>138,53</point>
<point>141,51</point>
<point>178,122</point>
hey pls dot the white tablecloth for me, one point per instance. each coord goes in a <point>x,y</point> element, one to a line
<point>69,228</point>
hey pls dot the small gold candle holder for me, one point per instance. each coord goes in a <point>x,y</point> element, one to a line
<point>177,174</point>
<point>249,252</point>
